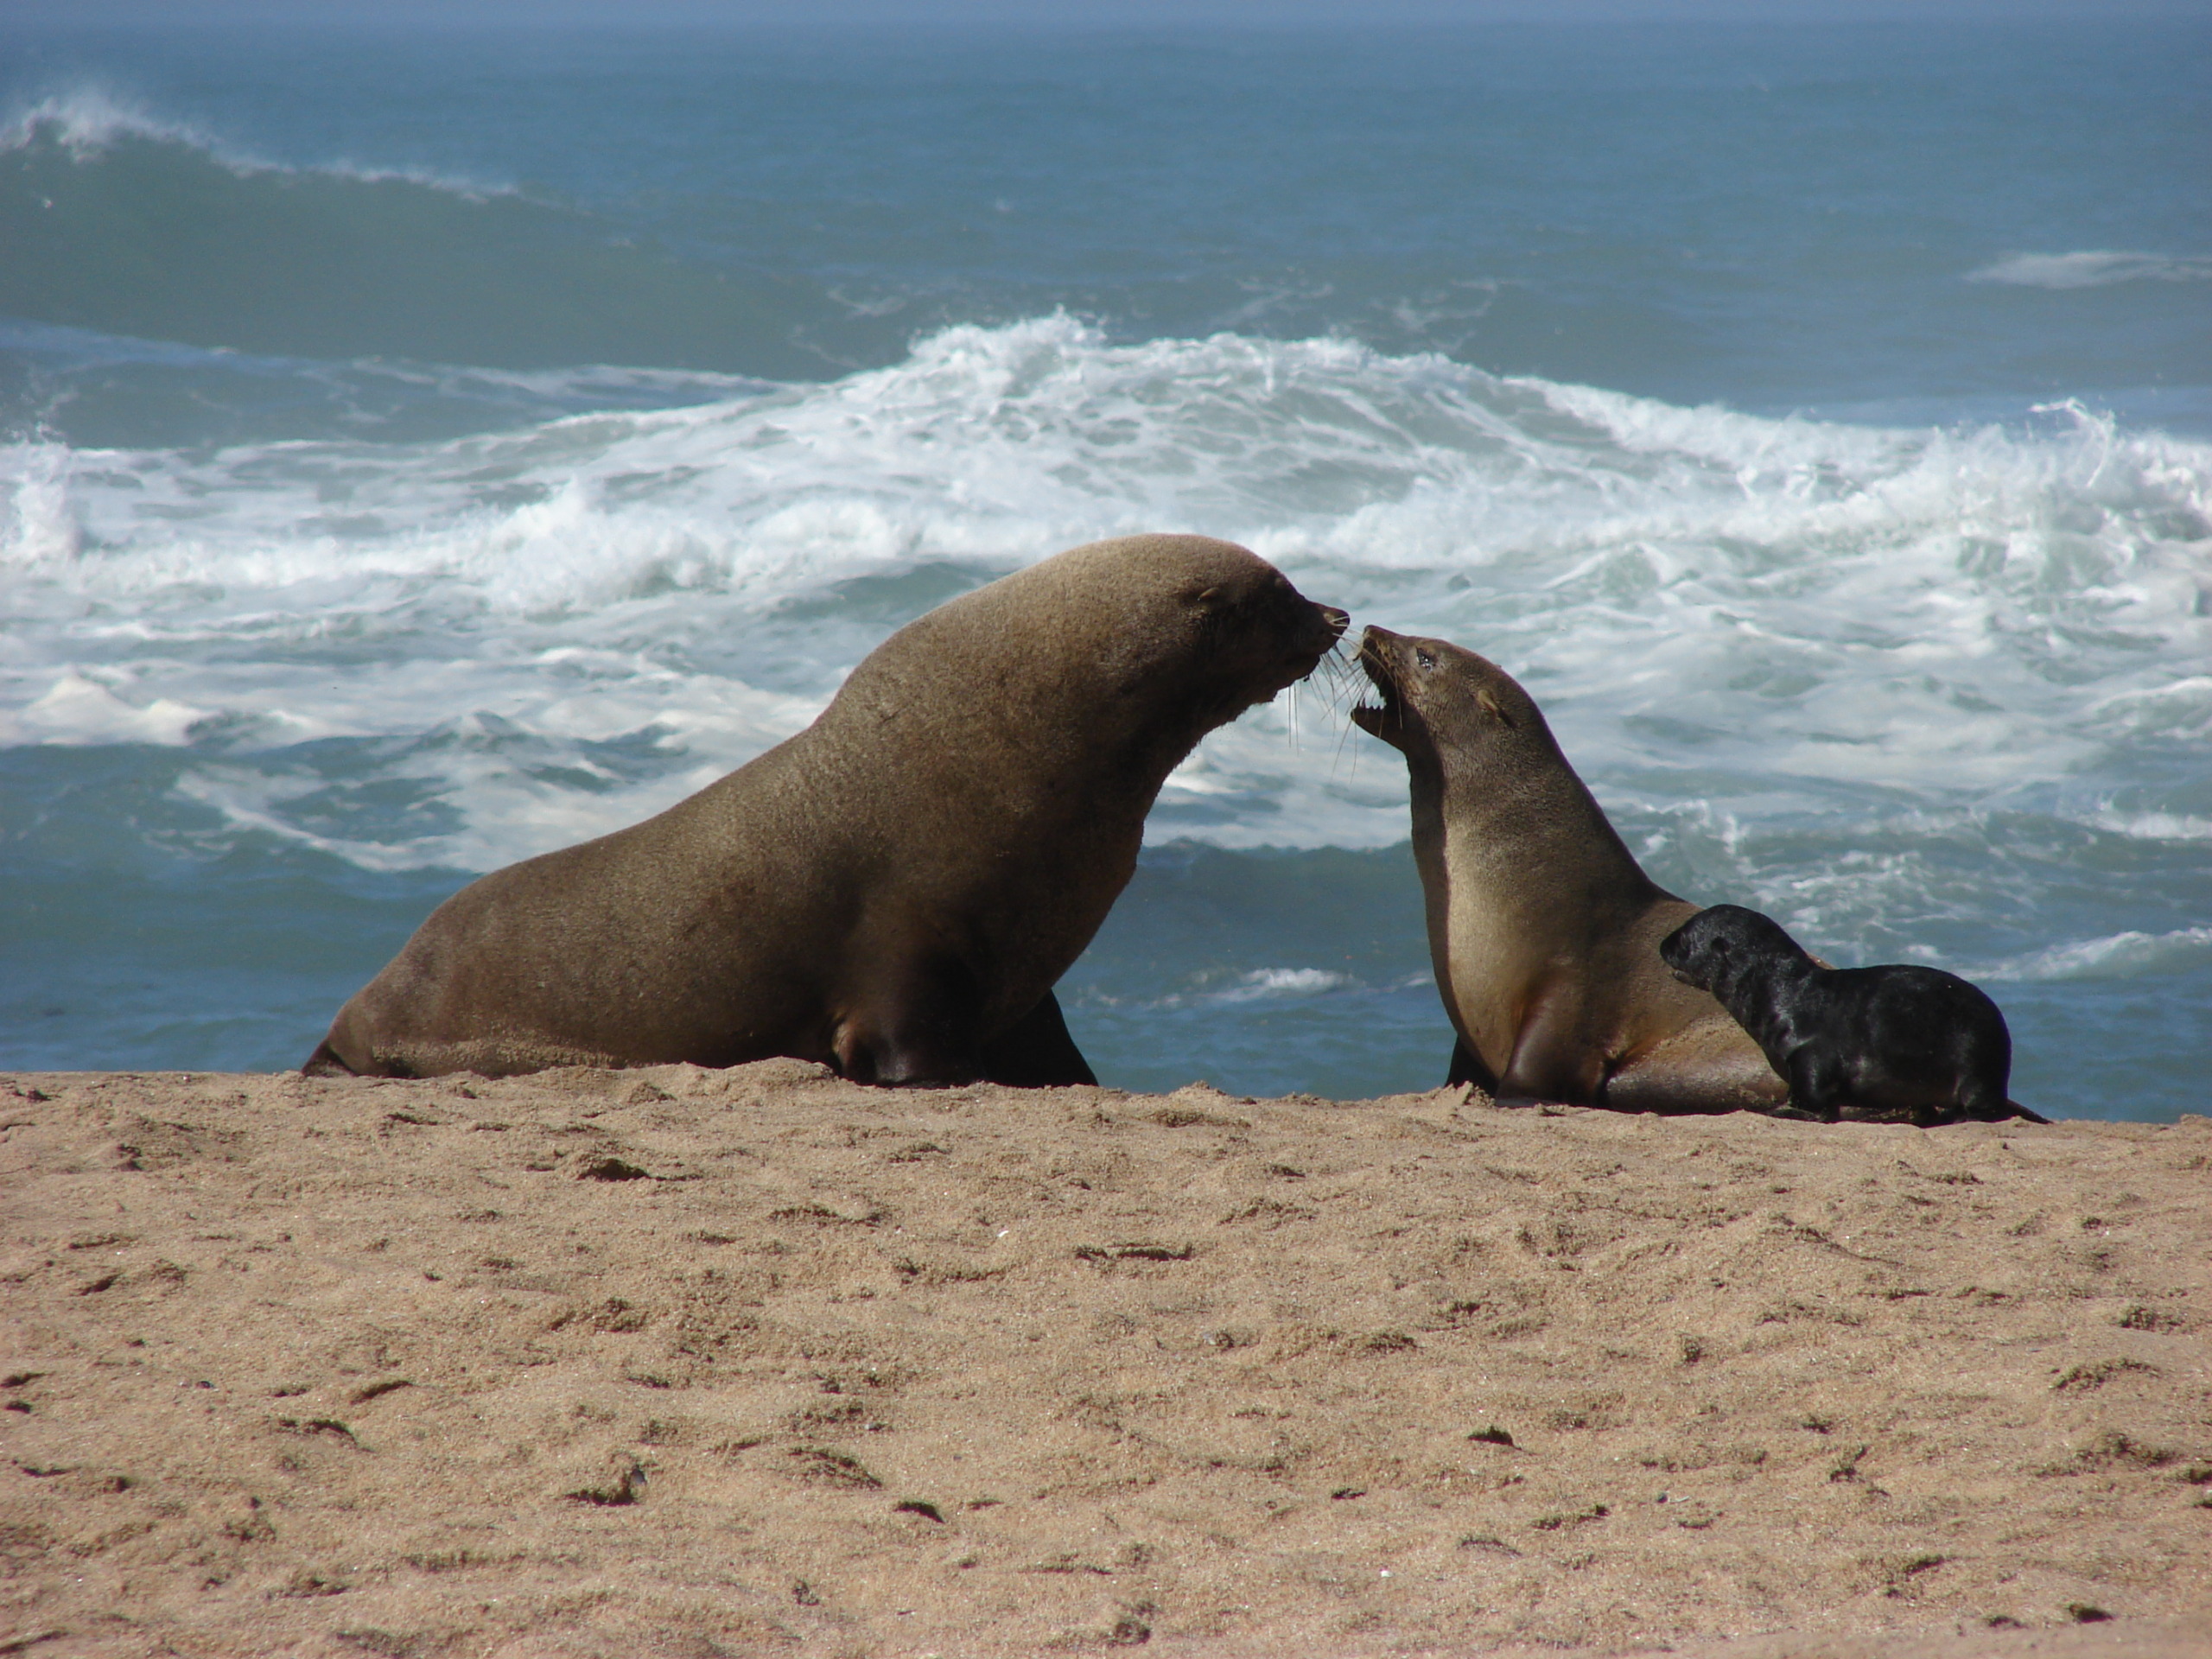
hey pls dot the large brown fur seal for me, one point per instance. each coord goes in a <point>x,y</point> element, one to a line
<point>894,890</point>
<point>1544,930</point>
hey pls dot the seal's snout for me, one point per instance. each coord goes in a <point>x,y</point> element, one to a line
<point>1324,626</point>
<point>1386,714</point>
<point>1687,952</point>
<point>1312,635</point>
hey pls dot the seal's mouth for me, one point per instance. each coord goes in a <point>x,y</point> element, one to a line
<point>1387,707</point>
<point>1307,646</point>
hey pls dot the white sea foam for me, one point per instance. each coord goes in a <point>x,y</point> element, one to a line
<point>2154,826</point>
<point>88,119</point>
<point>2130,955</point>
<point>79,708</point>
<point>1745,613</point>
<point>1264,984</point>
<point>38,528</point>
<point>2093,268</point>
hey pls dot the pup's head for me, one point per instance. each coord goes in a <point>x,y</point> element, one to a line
<point>1716,947</point>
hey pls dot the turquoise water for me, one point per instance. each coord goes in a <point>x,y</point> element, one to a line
<point>417,453</point>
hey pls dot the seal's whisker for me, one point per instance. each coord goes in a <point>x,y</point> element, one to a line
<point>1343,738</point>
<point>1343,688</point>
<point>1332,682</point>
<point>1347,684</point>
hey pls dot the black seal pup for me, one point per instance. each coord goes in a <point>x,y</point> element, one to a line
<point>1896,1042</point>
<point>894,890</point>
<point>1542,928</point>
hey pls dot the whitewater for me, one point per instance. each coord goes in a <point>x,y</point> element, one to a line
<point>297,633</point>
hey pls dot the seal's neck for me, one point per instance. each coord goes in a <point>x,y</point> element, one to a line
<point>1523,836</point>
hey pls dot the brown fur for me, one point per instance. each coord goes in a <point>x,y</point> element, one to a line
<point>895,889</point>
<point>1544,930</point>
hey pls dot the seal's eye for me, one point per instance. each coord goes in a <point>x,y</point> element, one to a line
<point>1426,660</point>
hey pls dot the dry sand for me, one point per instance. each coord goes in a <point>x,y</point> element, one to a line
<point>677,1362</point>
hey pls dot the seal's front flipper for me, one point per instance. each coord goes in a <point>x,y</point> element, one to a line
<point>325,1062</point>
<point>1819,1084</point>
<point>918,1026</point>
<point>917,1057</point>
<point>1552,1061</point>
<point>1467,1067</point>
<point>1038,1053</point>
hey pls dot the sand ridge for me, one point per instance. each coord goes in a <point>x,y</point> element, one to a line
<point>685,1362</point>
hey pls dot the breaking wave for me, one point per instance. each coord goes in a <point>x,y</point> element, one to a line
<point>340,262</point>
<point>2092,269</point>
<point>1893,684</point>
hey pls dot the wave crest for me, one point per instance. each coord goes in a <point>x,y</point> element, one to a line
<point>88,123</point>
<point>1769,617</point>
<point>2093,268</point>
<point>337,262</point>
<point>87,120</point>
<point>2131,955</point>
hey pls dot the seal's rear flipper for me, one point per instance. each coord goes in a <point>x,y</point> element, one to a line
<point>2020,1111</point>
<point>325,1062</point>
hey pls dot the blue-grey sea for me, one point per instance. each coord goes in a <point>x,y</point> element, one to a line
<point>419,450</point>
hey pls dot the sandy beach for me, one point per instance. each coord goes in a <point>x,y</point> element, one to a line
<point>692,1363</point>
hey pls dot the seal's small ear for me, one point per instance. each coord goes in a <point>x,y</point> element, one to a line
<point>1487,699</point>
<point>1207,608</point>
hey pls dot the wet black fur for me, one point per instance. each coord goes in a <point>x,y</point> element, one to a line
<point>1898,1041</point>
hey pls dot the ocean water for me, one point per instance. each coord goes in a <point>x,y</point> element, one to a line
<point>417,452</point>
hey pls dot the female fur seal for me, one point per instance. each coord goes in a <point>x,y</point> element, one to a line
<point>1896,1042</point>
<point>894,890</point>
<point>1543,931</point>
